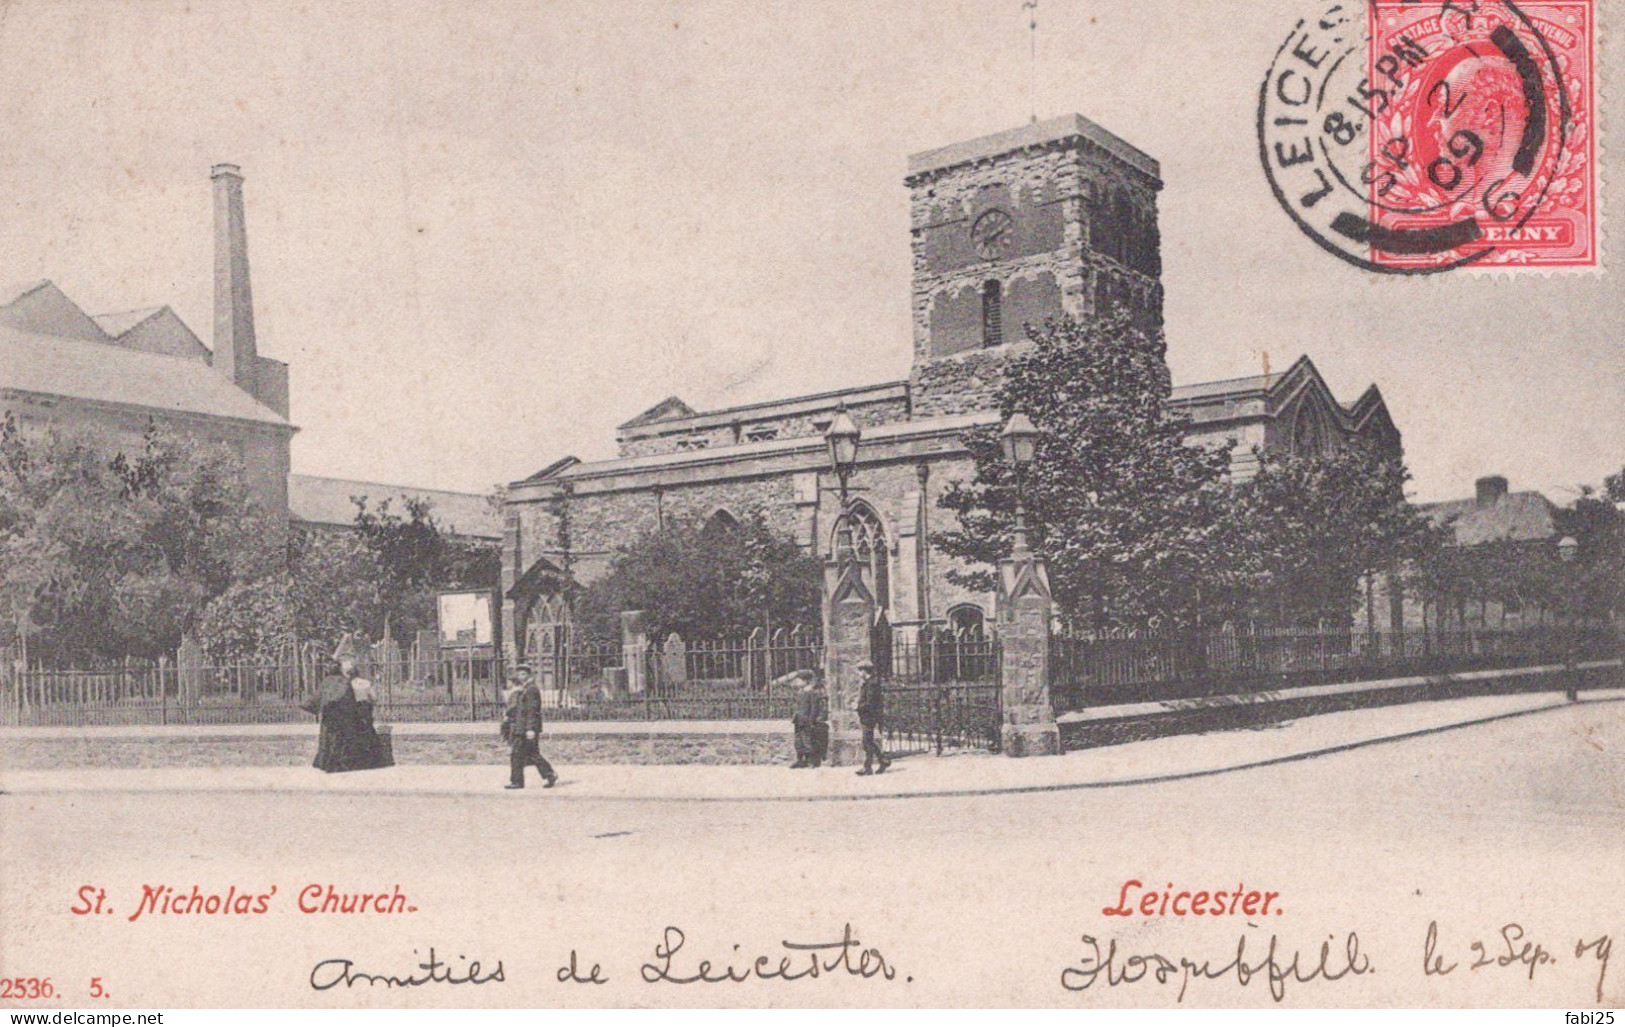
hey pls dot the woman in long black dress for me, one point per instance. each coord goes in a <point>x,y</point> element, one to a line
<point>347,740</point>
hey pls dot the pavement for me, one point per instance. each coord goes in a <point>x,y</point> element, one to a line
<point>968,774</point>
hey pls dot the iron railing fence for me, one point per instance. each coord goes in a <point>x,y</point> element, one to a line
<point>942,692</point>
<point>754,661</point>
<point>717,679</point>
<point>1105,668</point>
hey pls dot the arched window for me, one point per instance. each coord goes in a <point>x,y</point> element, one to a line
<point>1308,430</point>
<point>968,622</point>
<point>860,536</point>
<point>720,523</point>
<point>992,314</point>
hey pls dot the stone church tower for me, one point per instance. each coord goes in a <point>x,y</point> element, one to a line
<point>1054,217</point>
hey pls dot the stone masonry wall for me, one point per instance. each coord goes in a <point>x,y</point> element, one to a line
<point>1083,238</point>
<point>763,427</point>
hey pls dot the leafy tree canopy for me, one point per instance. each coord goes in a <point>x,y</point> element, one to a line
<point>1303,532</point>
<point>109,548</point>
<point>705,580</point>
<point>1140,528</point>
<point>1124,511</point>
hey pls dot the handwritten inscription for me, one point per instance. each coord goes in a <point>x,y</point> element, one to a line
<point>1276,968</point>
<point>1512,949</point>
<point>1135,897</point>
<point>799,960</point>
<point>330,973</point>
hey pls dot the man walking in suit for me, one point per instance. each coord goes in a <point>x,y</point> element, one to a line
<point>871,711</point>
<point>525,733</point>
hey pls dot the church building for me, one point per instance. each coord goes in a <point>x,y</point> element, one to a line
<point>1053,218</point>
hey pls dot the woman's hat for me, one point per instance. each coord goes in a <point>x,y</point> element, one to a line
<point>347,649</point>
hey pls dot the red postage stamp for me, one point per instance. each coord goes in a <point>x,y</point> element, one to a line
<point>1420,136</point>
<point>1488,134</point>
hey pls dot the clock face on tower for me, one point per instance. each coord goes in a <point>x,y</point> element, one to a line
<point>992,233</point>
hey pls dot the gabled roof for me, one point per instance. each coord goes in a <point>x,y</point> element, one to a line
<point>539,579</point>
<point>556,467</point>
<point>146,358</point>
<point>329,501</point>
<point>669,409</point>
<point>1257,383</point>
<point>1513,517</point>
<point>156,330</point>
<point>118,323</point>
<point>103,372</point>
<point>44,309</point>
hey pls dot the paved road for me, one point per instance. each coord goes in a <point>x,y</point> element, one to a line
<point>969,899</point>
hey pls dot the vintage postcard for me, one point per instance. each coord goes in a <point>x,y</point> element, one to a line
<point>691,503</point>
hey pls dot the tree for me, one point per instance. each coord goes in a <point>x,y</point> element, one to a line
<point>1306,529</point>
<point>412,560</point>
<point>1529,574</point>
<point>1593,586</point>
<point>114,549</point>
<point>1123,510</point>
<point>704,581</point>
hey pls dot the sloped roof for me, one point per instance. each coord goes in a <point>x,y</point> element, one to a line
<point>561,464</point>
<point>668,409</point>
<point>1514,517</point>
<point>1237,386</point>
<point>157,330</point>
<point>118,323</point>
<point>108,373</point>
<point>44,309</point>
<point>328,501</point>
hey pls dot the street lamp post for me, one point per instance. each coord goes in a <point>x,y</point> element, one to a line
<point>1567,550</point>
<point>848,604</point>
<point>842,438</point>
<point>1019,440</point>
<point>1027,716</point>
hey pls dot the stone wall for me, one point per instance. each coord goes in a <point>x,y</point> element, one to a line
<point>766,425</point>
<point>1079,234</point>
<point>486,749</point>
<point>798,505</point>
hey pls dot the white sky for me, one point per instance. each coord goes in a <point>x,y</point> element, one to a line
<point>484,234</point>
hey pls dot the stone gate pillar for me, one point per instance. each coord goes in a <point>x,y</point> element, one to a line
<point>849,614</point>
<point>1028,727</point>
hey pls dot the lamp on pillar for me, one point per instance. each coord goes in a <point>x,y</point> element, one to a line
<point>1019,440</point>
<point>849,606</point>
<point>1028,725</point>
<point>842,439</point>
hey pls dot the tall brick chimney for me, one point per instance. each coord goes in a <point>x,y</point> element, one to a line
<point>235,355</point>
<point>1490,489</point>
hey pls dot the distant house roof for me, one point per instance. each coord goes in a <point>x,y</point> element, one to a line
<point>329,501</point>
<point>668,409</point>
<point>1513,517</point>
<point>118,323</point>
<point>140,358</point>
<point>105,372</point>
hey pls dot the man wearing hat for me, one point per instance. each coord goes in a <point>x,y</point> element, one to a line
<point>871,710</point>
<point>525,732</point>
<point>811,720</point>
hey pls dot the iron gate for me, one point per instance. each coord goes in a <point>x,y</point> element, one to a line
<point>942,693</point>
